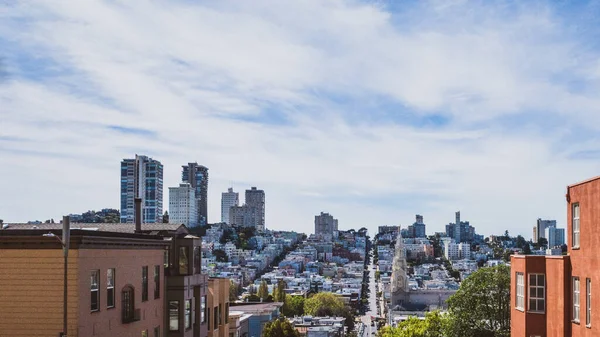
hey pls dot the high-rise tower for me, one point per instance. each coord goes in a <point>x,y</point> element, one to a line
<point>141,177</point>
<point>197,176</point>
<point>228,199</point>
<point>255,201</point>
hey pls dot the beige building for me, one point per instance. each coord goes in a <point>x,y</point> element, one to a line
<point>218,307</point>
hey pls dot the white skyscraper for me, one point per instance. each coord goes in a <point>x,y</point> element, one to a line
<point>228,200</point>
<point>183,207</point>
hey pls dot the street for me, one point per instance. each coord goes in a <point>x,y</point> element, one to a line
<point>371,330</point>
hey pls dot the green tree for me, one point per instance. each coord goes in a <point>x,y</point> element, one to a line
<point>280,327</point>
<point>220,255</point>
<point>294,306</point>
<point>279,292</point>
<point>434,325</point>
<point>481,306</point>
<point>263,290</point>
<point>328,304</point>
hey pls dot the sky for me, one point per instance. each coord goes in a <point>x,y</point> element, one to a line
<point>373,111</point>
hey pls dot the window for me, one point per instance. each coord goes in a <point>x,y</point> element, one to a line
<point>173,315</point>
<point>188,314</point>
<point>156,281</point>
<point>220,318</point>
<point>575,226</point>
<point>216,317</point>
<point>157,331</point>
<point>144,283</point>
<point>95,290</point>
<point>145,333</point>
<point>208,318</point>
<point>588,302</point>
<point>227,313</point>
<point>576,298</point>
<point>203,309</point>
<point>110,288</point>
<point>537,292</point>
<point>127,304</point>
<point>166,261</point>
<point>183,260</point>
<point>520,301</point>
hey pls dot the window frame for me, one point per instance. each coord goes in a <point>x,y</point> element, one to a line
<point>95,290</point>
<point>174,308</point>
<point>157,331</point>
<point>533,289</point>
<point>216,317</point>
<point>588,302</point>
<point>128,304</point>
<point>110,288</point>
<point>575,225</point>
<point>184,260</point>
<point>576,302</point>
<point>187,319</point>
<point>203,307</point>
<point>156,281</point>
<point>144,283</point>
<point>520,295</point>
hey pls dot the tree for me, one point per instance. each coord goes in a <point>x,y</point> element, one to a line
<point>542,243</point>
<point>527,249</point>
<point>165,217</point>
<point>328,304</point>
<point>280,327</point>
<point>220,255</point>
<point>507,254</point>
<point>279,292</point>
<point>263,290</point>
<point>434,325</point>
<point>520,243</point>
<point>294,306</point>
<point>481,306</point>
<point>506,236</point>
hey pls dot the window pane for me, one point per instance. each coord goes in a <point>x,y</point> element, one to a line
<point>183,260</point>
<point>173,315</point>
<point>188,314</point>
<point>532,305</point>
<point>144,283</point>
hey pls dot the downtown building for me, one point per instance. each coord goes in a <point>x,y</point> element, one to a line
<point>141,177</point>
<point>417,229</point>
<point>197,176</point>
<point>182,205</point>
<point>552,296</point>
<point>539,230</point>
<point>326,226</point>
<point>228,199</point>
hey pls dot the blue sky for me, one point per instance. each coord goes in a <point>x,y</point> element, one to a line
<point>372,111</point>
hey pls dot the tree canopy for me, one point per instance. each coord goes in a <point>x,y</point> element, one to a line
<point>481,306</point>
<point>294,306</point>
<point>280,327</point>
<point>324,304</point>
<point>263,290</point>
<point>434,325</point>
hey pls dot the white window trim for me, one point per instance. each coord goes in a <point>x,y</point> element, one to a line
<point>520,292</point>
<point>576,286</point>
<point>95,288</point>
<point>536,287</point>
<point>576,226</point>
<point>111,286</point>
<point>588,302</point>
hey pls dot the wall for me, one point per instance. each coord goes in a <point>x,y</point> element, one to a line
<point>128,268</point>
<point>31,289</point>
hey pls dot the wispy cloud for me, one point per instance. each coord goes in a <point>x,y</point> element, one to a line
<point>370,110</point>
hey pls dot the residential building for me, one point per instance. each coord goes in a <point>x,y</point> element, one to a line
<point>197,176</point>
<point>555,236</point>
<point>228,199</point>
<point>552,295</point>
<point>182,205</point>
<point>464,250</point>
<point>325,225</point>
<point>540,229</point>
<point>252,213</point>
<point>388,229</point>
<point>255,200</point>
<point>239,324</point>
<point>460,231</point>
<point>417,229</point>
<point>111,291</point>
<point>142,177</point>
<point>186,287</point>
<point>261,313</point>
<point>451,250</point>
<point>218,307</point>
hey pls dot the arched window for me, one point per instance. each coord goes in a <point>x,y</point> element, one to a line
<point>128,304</point>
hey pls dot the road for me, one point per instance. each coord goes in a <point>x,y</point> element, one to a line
<point>366,319</point>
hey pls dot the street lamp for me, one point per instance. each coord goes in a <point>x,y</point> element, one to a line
<point>65,244</point>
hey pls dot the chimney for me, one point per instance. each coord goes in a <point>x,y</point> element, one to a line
<point>138,215</point>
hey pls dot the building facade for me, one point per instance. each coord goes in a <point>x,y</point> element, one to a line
<point>182,205</point>
<point>553,295</point>
<point>555,236</point>
<point>325,224</point>
<point>111,291</point>
<point>197,176</point>
<point>539,231</point>
<point>255,200</point>
<point>141,177</point>
<point>218,307</point>
<point>228,199</point>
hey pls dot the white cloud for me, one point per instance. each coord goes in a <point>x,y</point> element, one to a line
<point>195,74</point>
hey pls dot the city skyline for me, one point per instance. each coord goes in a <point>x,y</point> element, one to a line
<point>371,114</point>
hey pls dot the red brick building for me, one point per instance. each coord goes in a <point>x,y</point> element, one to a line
<point>551,296</point>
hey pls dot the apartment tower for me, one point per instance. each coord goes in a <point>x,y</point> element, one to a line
<point>141,177</point>
<point>197,176</point>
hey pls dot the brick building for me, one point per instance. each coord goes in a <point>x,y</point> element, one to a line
<point>551,296</point>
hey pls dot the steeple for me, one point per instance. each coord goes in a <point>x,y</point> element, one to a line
<point>399,266</point>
